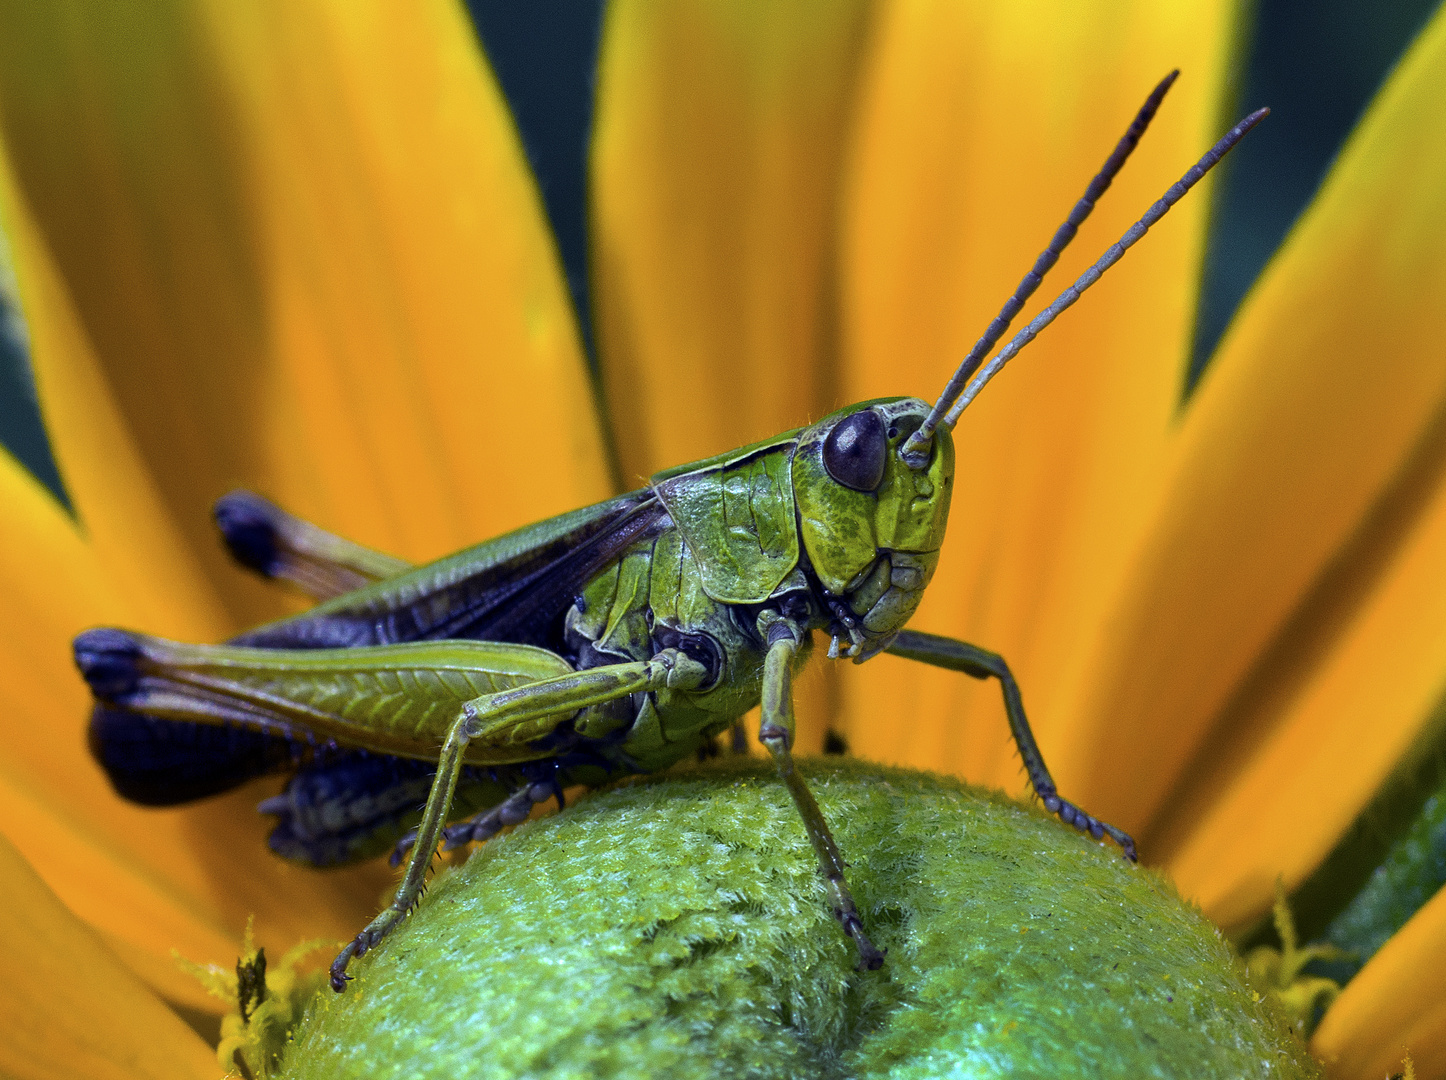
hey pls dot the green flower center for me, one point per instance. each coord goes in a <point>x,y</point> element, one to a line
<point>676,927</point>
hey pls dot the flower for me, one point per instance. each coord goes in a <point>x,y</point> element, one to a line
<point>299,250</point>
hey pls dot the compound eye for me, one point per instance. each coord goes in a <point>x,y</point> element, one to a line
<point>856,450</point>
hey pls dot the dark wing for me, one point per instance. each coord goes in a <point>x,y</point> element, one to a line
<point>514,588</point>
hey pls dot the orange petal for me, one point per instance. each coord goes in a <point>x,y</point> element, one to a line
<point>715,167</point>
<point>309,255</point>
<point>71,1009</point>
<point>981,126</point>
<point>157,881</point>
<point>716,160</point>
<point>1327,392</point>
<point>1395,1005</point>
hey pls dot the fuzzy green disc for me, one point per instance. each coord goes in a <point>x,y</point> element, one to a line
<point>676,927</point>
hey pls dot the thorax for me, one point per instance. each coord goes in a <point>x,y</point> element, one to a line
<point>653,598</point>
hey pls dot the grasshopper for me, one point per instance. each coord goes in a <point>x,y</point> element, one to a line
<point>613,640</point>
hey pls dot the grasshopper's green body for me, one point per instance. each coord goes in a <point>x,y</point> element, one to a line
<point>687,563</point>
<point>616,639</point>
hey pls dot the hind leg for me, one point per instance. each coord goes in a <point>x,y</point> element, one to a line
<point>502,719</point>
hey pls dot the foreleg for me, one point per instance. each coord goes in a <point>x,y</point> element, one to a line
<point>979,663</point>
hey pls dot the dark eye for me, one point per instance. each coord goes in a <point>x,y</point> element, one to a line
<point>856,450</point>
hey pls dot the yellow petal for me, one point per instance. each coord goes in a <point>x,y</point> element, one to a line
<point>715,165</point>
<point>71,1009</point>
<point>307,251</point>
<point>981,125</point>
<point>57,806</point>
<point>1396,1004</point>
<point>1310,748</point>
<point>152,880</point>
<point>148,879</point>
<point>309,258</point>
<point>1321,397</point>
<point>138,558</point>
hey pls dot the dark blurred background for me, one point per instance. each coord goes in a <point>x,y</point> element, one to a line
<point>1316,63</point>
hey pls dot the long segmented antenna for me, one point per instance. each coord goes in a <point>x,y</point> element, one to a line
<point>914,450</point>
<point>1113,255</point>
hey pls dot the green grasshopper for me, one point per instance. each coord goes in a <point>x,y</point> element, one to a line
<point>612,640</point>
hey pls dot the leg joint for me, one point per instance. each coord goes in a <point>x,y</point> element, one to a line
<point>770,732</point>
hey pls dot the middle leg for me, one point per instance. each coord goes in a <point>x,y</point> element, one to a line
<point>776,733</point>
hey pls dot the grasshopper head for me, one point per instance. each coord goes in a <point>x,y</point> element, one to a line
<point>872,523</point>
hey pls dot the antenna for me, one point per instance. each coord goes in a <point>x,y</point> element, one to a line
<point>1113,255</point>
<point>914,447</point>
